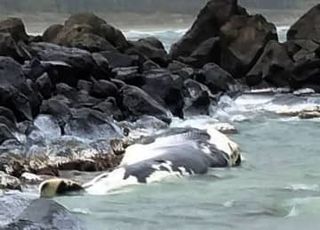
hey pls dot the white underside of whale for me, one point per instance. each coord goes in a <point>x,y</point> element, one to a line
<point>109,182</point>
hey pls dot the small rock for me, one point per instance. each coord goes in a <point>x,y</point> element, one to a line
<point>225,128</point>
<point>9,182</point>
<point>309,114</point>
<point>30,178</point>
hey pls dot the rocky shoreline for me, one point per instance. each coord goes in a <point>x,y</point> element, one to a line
<point>84,79</point>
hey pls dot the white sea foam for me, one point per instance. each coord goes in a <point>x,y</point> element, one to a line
<point>282,33</point>
<point>303,187</point>
<point>249,106</point>
<point>167,36</point>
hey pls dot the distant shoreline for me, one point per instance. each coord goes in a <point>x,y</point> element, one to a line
<point>37,23</point>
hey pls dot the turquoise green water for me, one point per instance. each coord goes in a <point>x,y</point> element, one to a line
<point>276,188</point>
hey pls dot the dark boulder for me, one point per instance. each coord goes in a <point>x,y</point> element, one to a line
<point>7,122</point>
<point>85,27</point>
<point>150,65</point>
<point>104,89</point>
<point>307,26</point>
<point>274,67</point>
<point>45,86</point>
<point>15,27</point>
<point>51,216</point>
<point>16,92</point>
<point>50,34</point>
<point>103,70</point>
<point>91,124</point>
<point>16,101</point>
<point>208,51</point>
<point>84,19</point>
<point>114,36</point>
<point>110,108</point>
<point>243,39</point>
<point>118,83</point>
<point>34,68</point>
<point>83,37</point>
<point>58,108</point>
<point>84,85</point>
<point>30,90</point>
<point>185,73</point>
<point>197,98</point>
<point>153,41</point>
<point>182,70</point>
<point>81,62</point>
<point>130,76</point>
<point>306,74</point>
<point>76,99</point>
<point>135,103</point>
<point>176,66</point>
<point>302,50</point>
<point>11,73</point>
<point>117,59</point>
<point>165,88</point>
<point>8,47</point>
<point>5,133</point>
<point>217,79</point>
<point>152,49</point>
<point>207,25</point>
<point>8,114</point>
<point>9,182</point>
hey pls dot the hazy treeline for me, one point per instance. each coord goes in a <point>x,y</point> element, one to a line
<point>279,4</point>
<point>143,6</point>
<point>70,6</point>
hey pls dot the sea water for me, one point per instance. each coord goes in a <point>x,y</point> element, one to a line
<point>277,186</point>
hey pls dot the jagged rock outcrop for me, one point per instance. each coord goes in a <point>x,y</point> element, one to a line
<point>207,25</point>
<point>86,31</point>
<point>243,39</point>
<point>307,26</point>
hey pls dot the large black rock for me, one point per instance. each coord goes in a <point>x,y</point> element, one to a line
<point>243,39</point>
<point>136,102</point>
<point>306,74</point>
<point>11,72</point>
<point>207,25</point>
<point>86,31</point>
<point>151,48</point>
<point>198,98</point>
<point>91,125</point>
<point>80,63</point>
<point>217,79</point>
<point>208,51</point>
<point>15,27</point>
<point>165,88</point>
<point>104,89</point>
<point>307,27</point>
<point>41,214</point>
<point>274,67</point>
<point>9,47</point>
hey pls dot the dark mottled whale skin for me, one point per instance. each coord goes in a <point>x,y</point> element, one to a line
<point>180,159</point>
<point>43,214</point>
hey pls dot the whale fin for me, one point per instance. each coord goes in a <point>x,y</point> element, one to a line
<point>59,187</point>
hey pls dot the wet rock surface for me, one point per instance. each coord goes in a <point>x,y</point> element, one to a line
<point>68,98</point>
<point>24,214</point>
